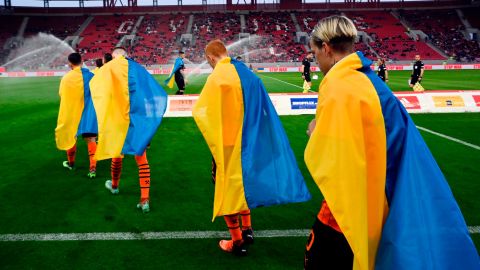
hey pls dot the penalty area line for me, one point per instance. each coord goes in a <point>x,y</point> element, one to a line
<point>450,138</point>
<point>116,236</point>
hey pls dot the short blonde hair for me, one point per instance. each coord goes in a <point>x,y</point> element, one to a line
<point>337,31</point>
<point>117,51</point>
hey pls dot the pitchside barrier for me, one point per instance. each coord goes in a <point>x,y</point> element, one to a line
<point>295,104</point>
<point>163,71</point>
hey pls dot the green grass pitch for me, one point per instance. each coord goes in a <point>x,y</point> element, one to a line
<point>37,195</point>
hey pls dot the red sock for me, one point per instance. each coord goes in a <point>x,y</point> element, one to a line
<point>234,227</point>
<point>92,147</point>
<point>246,220</point>
<point>71,155</point>
<point>116,171</point>
<point>143,176</point>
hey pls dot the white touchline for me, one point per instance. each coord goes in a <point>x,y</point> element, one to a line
<point>285,82</point>
<point>156,235</point>
<point>143,235</point>
<point>450,138</point>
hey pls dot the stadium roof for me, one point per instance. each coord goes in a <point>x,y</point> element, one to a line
<point>145,6</point>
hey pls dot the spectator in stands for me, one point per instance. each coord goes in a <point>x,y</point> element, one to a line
<point>417,72</point>
<point>305,70</point>
<point>382,71</point>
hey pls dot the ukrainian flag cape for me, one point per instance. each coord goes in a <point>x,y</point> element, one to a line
<point>76,115</point>
<point>171,78</point>
<point>130,105</point>
<point>379,178</point>
<point>255,164</point>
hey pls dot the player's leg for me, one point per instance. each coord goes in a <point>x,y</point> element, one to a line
<point>144,179</point>
<point>181,86</point>
<point>116,171</point>
<point>307,85</point>
<point>413,81</point>
<point>327,249</point>
<point>236,245</point>
<point>247,231</point>
<point>70,162</point>
<point>92,148</point>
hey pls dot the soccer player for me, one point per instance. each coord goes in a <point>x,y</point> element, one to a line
<point>215,52</point>
<point>253,163</point>
<point>98,64</point>
<point>417,73</point>
<point>115,71</point>
<point>178,74</point>
<point>77,114</point>
<point>382,71</point>
<point>385,196</point>
<point>305,70</point>
<point>107,57</point>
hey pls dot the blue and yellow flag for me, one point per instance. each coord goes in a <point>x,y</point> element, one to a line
<point>171,78</point>
<point>380,181</point>
<point>255,164</point>
<point>76,115</point>
<point>130,105</point>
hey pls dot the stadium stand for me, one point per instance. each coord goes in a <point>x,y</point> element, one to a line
<point>9,26</point>
<point>471,14</point>
<point>50,25</point>
<point>444,29</point>
<point>390,38</point>
<point>278,37</point>
<point>209,26</point>
<point>103,34</point>
<point>158,37</point>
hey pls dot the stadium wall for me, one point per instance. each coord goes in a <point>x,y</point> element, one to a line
<point>163,71</point>
<point>297,104</point>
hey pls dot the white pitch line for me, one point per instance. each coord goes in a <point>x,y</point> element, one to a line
<point>143,235</point>
<point>450,138</point>
<point>156,235</point>
<point>286,82</point>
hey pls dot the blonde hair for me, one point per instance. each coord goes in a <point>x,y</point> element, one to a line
<point>117,51</point>
<point>337,31</point>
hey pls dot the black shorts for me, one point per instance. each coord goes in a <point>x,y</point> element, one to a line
<point>307,77</point>
<point>88,135</point>
<point>327,249</point>
<point>413,80</point>
<point>180,83</point>
<point>382,78</point>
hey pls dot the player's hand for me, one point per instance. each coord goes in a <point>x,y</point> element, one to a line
<point>386,80</point>
<point>186,81</point>
<point>419,79</point>
<point>311,127</point>
<point>303,77</point>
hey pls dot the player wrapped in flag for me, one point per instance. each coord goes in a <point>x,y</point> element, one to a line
<point>76,116</point>
<point>130,106</point>
<point>255,161</point>
<point>407,218</point>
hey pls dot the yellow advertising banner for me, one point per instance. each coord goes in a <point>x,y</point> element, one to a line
<point>448,101</point>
